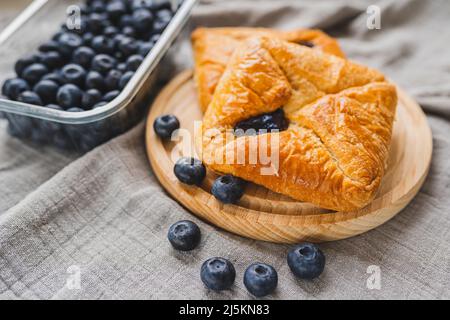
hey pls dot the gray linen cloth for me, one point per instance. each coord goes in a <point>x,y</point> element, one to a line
<point>102,218</point>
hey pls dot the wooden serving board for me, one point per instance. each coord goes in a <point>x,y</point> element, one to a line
<point>265,215</point>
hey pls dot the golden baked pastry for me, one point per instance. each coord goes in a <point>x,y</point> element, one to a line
<point>213,48</point>
<point>340,114</point>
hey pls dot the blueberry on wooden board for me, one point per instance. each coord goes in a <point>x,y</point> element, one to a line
<point>190,171</point>
<point>165,125</point>
<point>228,189</point>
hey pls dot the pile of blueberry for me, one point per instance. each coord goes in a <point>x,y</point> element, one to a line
<point>306,261</point>
<point>86,67</point>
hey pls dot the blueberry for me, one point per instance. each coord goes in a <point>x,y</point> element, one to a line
<point>30,97</point>
<point>55,77</point>
<point>260,279</point>
<point>115,9</point>
<point>263,123</point>
<point>122,67</point>
<point>126,20</point>
<point>112,79</point>
<point>68,42</point>
<point>13,87</point>
<point>305,43</point>
<point>52,59</point>
<point>184,235</point>
<point>218,274</point>
<point>154,38</point>
<point>190,171</point>
<point>110,31</point>
<point>164,14</point>
<point>102,44</point>
<point>83,56</point>
<point>165,125</point>
<point>142,19</point>
<point>87,38</point>
<point>96,22</point>
<point>162,5</point>
<point>145,47</point>
<point>142,4</point>
<point>128,46</point>
<point>228,188</point>
<point>91,98</point>
<point>74,73</point>
<point>110,96</point>
<point>97,6</point>
<point>129,31</point>
<point>133,62</point>
<point>95,80</point>
<point>22,63</point>
<point>306,261</point>
<point>47,90</point>
<point>51,45</point>
<point>33,73</point>
<point>159,25</point>
<point>69,96</point>
<point>103,63</point>
<point>125,79</point>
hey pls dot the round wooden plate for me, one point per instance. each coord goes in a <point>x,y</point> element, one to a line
<point>265,215</point>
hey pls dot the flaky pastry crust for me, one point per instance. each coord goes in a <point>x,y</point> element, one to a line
<point>213,48</point>
<point>341,114</point>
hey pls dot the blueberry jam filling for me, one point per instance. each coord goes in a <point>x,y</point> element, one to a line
<point>306,43</point>
<point>264,123</point>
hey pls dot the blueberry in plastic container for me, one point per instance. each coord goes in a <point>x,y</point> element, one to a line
<point>51,45</point>
<point>30,97</point>
<point>34,72</point>
<point>128,46</point>
<point>69,96</point>
<point>55,77</point>
<point>74,73</point>
<point>134,61</point>
<point>110,96</point>
<point>68,42</point>
<point>13,87</point>
<point>19,126</point>
<point>103,63</point>
<point>129,31</point>
<point>110,31</point>
<point>83,56</point>
<point>142,19</point>
<point>116,9</point>
<point>103,44</point>
<point>112,79</point>
<point>94,80</point>
<point>46,90</point>
<point>96,22</point>
<point>145,47</point>
<point>125,79</point>
<point>52,59</point>
<point>90,98</point>
<point>22,63</point>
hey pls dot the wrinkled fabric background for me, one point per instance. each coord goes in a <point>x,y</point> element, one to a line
<point>106,215</point>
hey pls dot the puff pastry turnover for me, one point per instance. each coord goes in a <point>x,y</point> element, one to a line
<point>213,48</point>
<point>340,115</point>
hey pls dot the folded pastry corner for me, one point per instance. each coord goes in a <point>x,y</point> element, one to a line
<point>340,115</point>
<point>213,48</point>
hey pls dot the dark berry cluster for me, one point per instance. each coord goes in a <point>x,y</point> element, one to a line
<point>263,123</point>
<point>86,67</point>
